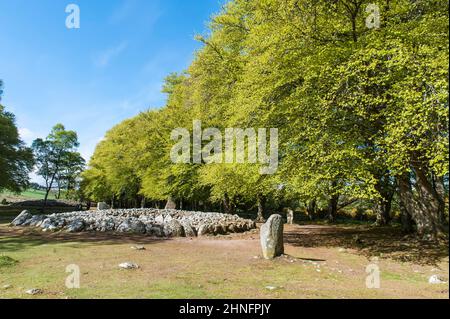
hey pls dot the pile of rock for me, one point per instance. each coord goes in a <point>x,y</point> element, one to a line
<point>152,222</point>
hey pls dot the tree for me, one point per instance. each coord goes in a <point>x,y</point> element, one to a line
<point>16,160</point>
<point>54,154</point>
<point>362,113</point>
<point>68,176</point>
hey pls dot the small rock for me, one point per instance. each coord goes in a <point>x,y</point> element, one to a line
<point>76,226</point>
<point>34,291</point>
<point>138,247</point>
<point>174,229</point>
<point>137,227</point>
<point>6,286</point>
<point>436,279</point>
<point>128,265</point>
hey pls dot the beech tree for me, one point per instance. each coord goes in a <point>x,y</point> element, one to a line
<point>361,110</point>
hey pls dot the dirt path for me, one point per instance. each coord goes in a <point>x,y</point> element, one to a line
<point>320,262</point>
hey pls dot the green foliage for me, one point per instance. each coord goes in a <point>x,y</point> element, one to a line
<point>56,158</point>
<point>355,107</point>
<point>16,160</point>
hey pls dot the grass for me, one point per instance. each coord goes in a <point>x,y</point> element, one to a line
<point>6,261</point>
<point>30,194</point>
<point>217,267</point>
<point>8,213</point>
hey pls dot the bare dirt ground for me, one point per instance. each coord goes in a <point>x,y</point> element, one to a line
<point>320,262</point>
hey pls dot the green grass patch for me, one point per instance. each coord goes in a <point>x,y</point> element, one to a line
<point>6,261</point>
<point>31,194</point>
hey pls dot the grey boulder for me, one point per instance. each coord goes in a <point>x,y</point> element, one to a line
<point>76,226</point>
<point>271,235</point>
<point>21,218</point>
<point>174,229</point>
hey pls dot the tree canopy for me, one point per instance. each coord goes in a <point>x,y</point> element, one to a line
<point>362,112</point>
<point>16,160</point>
<point>57,160</point>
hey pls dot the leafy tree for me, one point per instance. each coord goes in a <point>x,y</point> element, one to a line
<point>68,176</point>
<point>16,160</point>
<point>362,113</point>
<point>54,154</point>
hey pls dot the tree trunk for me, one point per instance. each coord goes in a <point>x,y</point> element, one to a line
<point>423,208</point>
<point>47,191</point>
<point>382,208</point>
<point>261,208</point>
<point>406,220</point>
<point>311,209</point>
<point>228,206</point>
<point>382,205</point>
<point>438,184</point>
<point>332,208</point>
<point>59,191</point>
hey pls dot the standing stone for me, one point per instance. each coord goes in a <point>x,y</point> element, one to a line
<point>290,216</point>
<point>272,237</point>
<point>170,204</point>
<point>102,206</point>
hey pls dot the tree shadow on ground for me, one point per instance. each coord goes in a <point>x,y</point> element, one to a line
<point>385,242</point>
<point>15,239</point>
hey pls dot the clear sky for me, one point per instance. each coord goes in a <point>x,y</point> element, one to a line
<point>90,79</point>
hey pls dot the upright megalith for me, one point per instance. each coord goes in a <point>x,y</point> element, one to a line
<point>271,235</point>
<point>102,206</point>
<point>290,216</point>
<point>170,204</point>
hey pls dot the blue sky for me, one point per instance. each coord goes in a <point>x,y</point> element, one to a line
<point>90,79</point>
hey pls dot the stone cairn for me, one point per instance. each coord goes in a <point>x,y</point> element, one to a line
<point>151,222</point>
